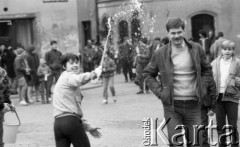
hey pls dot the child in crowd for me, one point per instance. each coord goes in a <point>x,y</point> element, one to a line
<point>69,125</point>
<point>43,72</point>
<point>108,68</point>
<point>5,102</point>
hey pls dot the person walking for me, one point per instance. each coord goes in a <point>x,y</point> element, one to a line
<point>181,65</point>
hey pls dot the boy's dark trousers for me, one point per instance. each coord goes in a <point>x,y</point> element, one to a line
<point>204,117</point>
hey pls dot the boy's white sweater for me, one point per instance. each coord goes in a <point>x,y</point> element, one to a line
<point>67,95</point>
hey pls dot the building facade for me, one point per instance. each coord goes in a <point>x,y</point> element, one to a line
<point>38,22</point>
<point>215,15</point>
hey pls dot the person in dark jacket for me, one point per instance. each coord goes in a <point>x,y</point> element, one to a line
<point>208,107</point>
<point>5,102</point>
<point>181,65</point>
<point>126,58</point>
<point>53,60</point>
<point>32,62</point>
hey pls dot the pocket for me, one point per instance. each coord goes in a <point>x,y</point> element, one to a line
<point>231,90</point>
<point>164,95</point>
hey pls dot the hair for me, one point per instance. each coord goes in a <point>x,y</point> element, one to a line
<point>204,33</point>
<point>175,23</point>
<point>228,44</point>
<point>165,40</point>
<point>53,42</point>
<point>68,56</point>
<point>220,34</point>
<point>157,38</point>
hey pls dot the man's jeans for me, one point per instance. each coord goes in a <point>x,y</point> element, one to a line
<point>186,113</point>
<point>108,82</point>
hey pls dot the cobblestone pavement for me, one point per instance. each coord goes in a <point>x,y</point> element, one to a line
<point>120,123</point>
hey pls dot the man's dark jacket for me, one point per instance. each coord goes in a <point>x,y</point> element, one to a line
<point>161,64</point>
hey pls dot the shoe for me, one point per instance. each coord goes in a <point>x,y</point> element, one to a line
<point>50,99</point>
<point>38,100</point>
<point>104,101</point>
<point>23,103</point>
<point>114,99</point>
<point>31,100</point>
<point>140,92</point>
<point>126,80</point>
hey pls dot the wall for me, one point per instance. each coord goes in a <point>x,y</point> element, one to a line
<point>55,20</point>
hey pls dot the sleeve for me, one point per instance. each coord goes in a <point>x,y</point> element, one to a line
<point>150,73</point>
<point>39,71</point>
<point>47,58</point>
<point>79,79</point>
<point>19,65</point>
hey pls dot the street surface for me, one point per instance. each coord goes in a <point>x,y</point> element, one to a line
<point>121,123</point>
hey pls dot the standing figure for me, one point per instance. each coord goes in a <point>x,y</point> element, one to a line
<point>108,68</point>
<point>32,62</point>
<point>126,58</point>
<point>53,60</point>
<point>181,65</point>
<point>69,125</point>
<point>226,71</point>
<point>44,72</point>
<point>21,71</point>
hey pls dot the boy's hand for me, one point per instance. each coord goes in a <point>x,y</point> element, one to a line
<point>98,71</point>
<point>210,113</point>
<point>93,75</point>
<point>95,133</point>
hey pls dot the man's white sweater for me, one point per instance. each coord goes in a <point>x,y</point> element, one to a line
<point>185,78</point>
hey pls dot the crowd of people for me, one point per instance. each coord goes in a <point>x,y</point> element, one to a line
<point>29,75</point>
<point>193,80</point>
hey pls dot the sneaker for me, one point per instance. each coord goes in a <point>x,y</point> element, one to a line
<point>31,100</point>
<point>114,99</point>
<point>23,103</point>
<point>140,92</point>
<point>104,101</point>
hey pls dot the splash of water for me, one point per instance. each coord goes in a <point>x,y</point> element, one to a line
<point>106,42</point>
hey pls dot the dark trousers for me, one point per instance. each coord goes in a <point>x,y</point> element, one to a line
<point>56,75</point>
<point>204,117</point>
<point>44,87</point>
<point>69,130</point>
<point>139,80</point>
<point>230,110</point>
<point>186,113</point>
<point>127,69</point>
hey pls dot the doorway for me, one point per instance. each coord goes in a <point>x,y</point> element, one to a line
<point>16,31</point>
<point>87,31</point>
<point>202,22</point>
